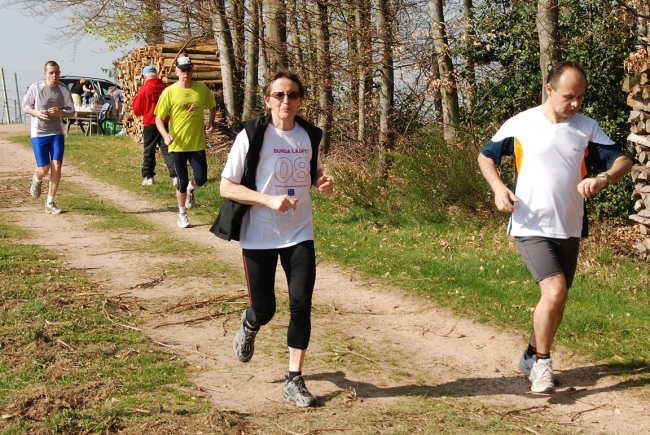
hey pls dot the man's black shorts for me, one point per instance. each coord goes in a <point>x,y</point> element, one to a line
<point>547,256</point>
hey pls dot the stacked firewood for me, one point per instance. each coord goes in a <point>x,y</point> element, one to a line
<point>637,85</point>
<point>163,57</point>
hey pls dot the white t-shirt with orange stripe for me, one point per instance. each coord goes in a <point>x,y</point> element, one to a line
<point>550,161</point>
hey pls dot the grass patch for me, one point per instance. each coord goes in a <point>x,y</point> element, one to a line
<point>64,365</point>
<point>118,159</point>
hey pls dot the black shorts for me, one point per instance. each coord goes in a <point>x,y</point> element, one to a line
<point>547,256</point>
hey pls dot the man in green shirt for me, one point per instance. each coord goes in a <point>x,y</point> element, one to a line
<point>185,102</point>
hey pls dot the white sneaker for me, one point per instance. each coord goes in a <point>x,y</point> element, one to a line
<point>175,181</point>
<point>189,200</point>
<point>183,221</point>
<point>148,181</point>
<point>526,364</point>
<point>52,208</point>
<point>541,376</point>
<point>35,188</point>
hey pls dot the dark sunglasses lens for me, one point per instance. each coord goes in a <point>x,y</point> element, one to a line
<point>291,95</point>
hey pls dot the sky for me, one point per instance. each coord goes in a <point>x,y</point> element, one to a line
<point>24,49</point>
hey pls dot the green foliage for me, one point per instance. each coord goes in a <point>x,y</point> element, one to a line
<point>596,34</point>
<point>426,181</point>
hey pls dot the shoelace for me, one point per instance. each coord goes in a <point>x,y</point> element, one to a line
<point>249,336</point>
<point>301,387</point>
<point>546,374</point>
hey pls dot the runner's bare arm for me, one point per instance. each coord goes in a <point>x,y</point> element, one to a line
<point>503,197</point>
<point>244,195</point>
<point>616,172</point>
<point>324,184</point>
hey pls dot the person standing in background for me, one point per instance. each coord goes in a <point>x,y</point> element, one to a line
<point>144,105</point>
<point>118,102</point>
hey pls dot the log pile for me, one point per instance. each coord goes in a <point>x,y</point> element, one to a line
<point>163,57</point>
<point>637,85</point>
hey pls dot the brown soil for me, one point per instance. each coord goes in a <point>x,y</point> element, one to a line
<point>409,346</point>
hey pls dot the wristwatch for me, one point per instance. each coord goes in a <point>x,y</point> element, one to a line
<point>606,176</point>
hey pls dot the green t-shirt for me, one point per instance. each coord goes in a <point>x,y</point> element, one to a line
<point>185,109</point>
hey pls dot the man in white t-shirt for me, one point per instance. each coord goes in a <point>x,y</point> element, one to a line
<point>552,146</point>
<point>48,102</point>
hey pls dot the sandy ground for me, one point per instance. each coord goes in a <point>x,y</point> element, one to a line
<point>410,345</point>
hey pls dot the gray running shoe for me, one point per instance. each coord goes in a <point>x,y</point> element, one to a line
<point>244,342</point>
<point>541,376</point>
<point>35,189</point>
<point>526,364</point>
<point>52,208</point>
<point>147,181</point>
<point>296,392</point>
<point>189,200</point>
<point>183,221</point>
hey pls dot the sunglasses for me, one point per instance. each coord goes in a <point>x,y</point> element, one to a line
<point>280,95</point>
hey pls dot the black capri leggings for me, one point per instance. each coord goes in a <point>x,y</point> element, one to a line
<point>299,264</point>
<point>199,165</point>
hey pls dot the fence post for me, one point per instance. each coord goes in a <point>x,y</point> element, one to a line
<point>4,91</point>
<point>20,107</point>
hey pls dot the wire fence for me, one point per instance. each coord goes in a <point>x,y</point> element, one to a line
<point>13,86</point>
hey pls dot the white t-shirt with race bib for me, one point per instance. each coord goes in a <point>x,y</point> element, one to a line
<point>283,169</point>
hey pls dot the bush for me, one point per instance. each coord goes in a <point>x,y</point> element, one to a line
<point>427,182</point>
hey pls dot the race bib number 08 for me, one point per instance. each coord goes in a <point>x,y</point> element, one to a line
<point>297,170</point>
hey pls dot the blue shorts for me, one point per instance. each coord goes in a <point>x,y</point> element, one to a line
<point>48,148</point>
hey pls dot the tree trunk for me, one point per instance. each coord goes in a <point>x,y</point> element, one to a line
<point>470,72</point>
<point>437,95</point>
<point>364,51</point>
<point>275,13</point>
<point>326,98</point>
<point>154,33</point>
<point>252,61</point>
<point>448,87</point>
<point>227,59</point>
<point>187,23</point>
<point>296,46</point>
<point>264,58</point>
<point>547,17</point>
<point>386,69</point>
<point>237,9</point>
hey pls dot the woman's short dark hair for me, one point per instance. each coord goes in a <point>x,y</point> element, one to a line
<point>555,71</point>
<point>282,74</point>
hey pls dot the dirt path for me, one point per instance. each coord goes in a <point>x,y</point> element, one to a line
<point>410,345</point>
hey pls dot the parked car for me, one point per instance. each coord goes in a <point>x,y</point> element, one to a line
<point>100,85</point>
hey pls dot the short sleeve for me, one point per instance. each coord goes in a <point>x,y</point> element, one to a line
<point>162,107</point>
<point>234,167</point>
<point>602,151</point>
<point>495,150</point>
<point>602,156</point>
<point>210,102</point>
